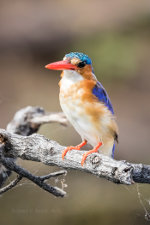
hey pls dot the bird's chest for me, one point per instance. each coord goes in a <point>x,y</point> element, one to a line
<point>71,100</point>
<point>73,107</point>
<point>70,93</point>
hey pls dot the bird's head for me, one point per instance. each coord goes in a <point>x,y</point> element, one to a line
<point>74,61</point>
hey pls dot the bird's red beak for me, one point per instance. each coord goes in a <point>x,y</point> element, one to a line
<point>61,65</point>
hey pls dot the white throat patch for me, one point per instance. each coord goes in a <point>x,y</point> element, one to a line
<point>70,77</point>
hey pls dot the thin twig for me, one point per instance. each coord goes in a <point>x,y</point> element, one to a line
<point>11,165</point>
<point>50,118</point>
<point>11,185</point>
<point>54,174</point>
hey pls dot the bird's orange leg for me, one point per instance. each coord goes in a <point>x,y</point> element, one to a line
<point>90,152</point>
<point>73,147</point>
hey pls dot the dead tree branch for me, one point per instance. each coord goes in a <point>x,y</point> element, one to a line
<point>26,122</point>
<point>38,180</point>
<point>11,185</point>
<point>17,144</point>
<point>40,149</point>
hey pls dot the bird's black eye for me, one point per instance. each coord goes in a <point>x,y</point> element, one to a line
<point>81,64</point>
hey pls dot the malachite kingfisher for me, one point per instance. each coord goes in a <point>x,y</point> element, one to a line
<point>86,105</point>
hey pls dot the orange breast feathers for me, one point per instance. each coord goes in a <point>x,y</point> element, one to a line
<point>82,92</point>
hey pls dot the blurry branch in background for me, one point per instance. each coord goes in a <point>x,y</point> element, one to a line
<point>35,147</point>
<point>28,120</point>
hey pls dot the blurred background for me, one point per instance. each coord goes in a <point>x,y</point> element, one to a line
<point>116,35</point>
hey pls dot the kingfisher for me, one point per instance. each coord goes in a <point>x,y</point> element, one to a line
<point>86,105</point>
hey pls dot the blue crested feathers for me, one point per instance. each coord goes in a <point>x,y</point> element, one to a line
<point>80,56</point>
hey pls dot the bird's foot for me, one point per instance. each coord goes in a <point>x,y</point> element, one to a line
<point>69,148</point>
<point>90,152</point>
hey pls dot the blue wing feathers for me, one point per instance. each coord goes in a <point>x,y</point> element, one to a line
<point>113,151</point>
<point>101,94</point>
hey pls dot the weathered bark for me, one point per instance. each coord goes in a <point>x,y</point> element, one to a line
<point>26,122</point>
<point>40,149</point>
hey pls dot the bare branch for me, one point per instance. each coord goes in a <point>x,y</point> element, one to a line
<point>16,142</point>
<point>50,118</point>
<point>38,148</point>
<point>38,180</point>
<point>28,120</point>
<point>11,185</point>
<point>4,174</point>
<point>55,174</point>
